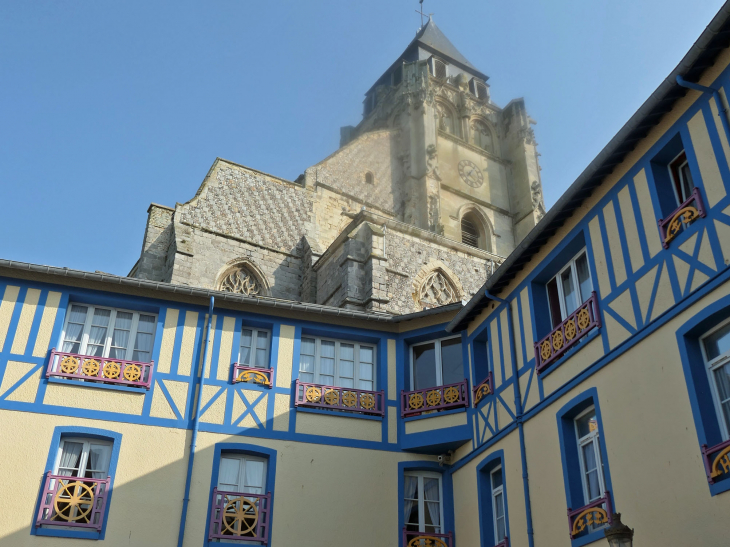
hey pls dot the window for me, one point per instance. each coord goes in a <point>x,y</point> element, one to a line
<point>81,502</point>
<point>109,332</point>
<point>423,507</point>
<point>438,68</point>
<point>436,363</point>
<point>478,89</point>
<point>242,473</point>
<point>474,232</point>
<point>369,179</point>
<point>716,354</point>
<point>469,232</point>
<point>481,135</point>
<point>254,351</point>
<point>591,467</point>
<point>446,119</point>
<point>569,289</point>
<point>681,177</point>
<point>497,482</point>
<point>337,363</point>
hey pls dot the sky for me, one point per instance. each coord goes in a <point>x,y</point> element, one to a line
<point>107,106</point>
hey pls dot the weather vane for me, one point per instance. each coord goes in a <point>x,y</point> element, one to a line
<point>421,12</point>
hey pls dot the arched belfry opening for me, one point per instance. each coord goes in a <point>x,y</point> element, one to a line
<point>475,231</point>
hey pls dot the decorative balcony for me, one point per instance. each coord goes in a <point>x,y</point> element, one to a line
<point>73,501</point>
<point>684,215</point>
<point>427,539</point>
<point>596,514</point>
<point>568,333</point>
<point>434,399</point>
<point>503,543</point>
<point>240,516</point>
<point>339,398</point>
<point>99,369</point>
<point>717,460</point>
<point>261,376</point>
<point>483,389</point>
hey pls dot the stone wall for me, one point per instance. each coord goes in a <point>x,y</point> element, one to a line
<point>152,263</point>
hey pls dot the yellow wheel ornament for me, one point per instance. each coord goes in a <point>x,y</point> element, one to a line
<point>584,319</point>
<point>570,331</point>
<point>74,501</point>
<point>349,398</point>
<point>69,364</point>
<point>415,401</point>
<point>90,367</point>
<point>132,373</point>
<point>240,516</point>
<point>451,394</point>
<point>332,397</point>
<point>111,370</point>
<point>545,350</point>
<point>433,398</point>
<point>367,401</point>
<point>314,394</point>
<point>557,340</point>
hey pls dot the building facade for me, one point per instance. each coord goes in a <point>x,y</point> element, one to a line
<point>434,166</point>
<point>588,376</point>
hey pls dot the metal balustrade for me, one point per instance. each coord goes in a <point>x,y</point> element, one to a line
<point>77,502</point>
<point>244,373</point>
<point>99,369</point>
<point>597,513</point>
<point>339,398</point>
<point>684,215</point>
<point>483,389</point>
<point>427,539</point>
<point>568,333</point>
<point>717,460</point>
<point>432,399</point>
<point>240,516</point>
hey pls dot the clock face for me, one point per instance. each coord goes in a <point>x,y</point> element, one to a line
<point>470,173</point>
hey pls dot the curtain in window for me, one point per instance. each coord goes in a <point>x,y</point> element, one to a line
<point>228,474</point>
<point>327,363</point>
<point>70,455</point>
<point>433,503</point>
<point>120,335</point>
<point>254,476</point>
<point>306,360</point>
<point>74,329</point>
<point>145,339</point>
<point>98,465</point>
<point>97,336</point>
<point>411,485</point>
<point>366,368</point>
<point>262,346</point>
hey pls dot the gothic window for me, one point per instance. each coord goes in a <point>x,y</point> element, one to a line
<point>240,280</point>
<point>475,233</point>
<point>447,121</point>
<point>437,290</point>
<point>469,232</point>
<point>481,136</point>
<point>369,178</point>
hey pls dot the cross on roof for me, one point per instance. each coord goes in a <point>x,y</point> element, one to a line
<point>421,12</point>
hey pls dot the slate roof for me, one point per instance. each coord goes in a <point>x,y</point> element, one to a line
<point>431,38</point>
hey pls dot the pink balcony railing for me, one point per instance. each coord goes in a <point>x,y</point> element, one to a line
<point>339,398</point>
<point>568,333</point>
<point>432,399</point>
<point>685,214</point>
<point>482,390</point>
<point>427,539</point>
<point>99,369</point>
<point>503,543</point>
<point>73,501</point>
<point>240,516</point>
<point>244,373</point>
<point>717,460</point>
<point>596,514</point>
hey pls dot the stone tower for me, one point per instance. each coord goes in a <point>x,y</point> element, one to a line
<point>414,210</point>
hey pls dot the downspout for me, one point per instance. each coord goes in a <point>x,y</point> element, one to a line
<point>721,110</point>
<point>518,414</point>
<point>196,419</point>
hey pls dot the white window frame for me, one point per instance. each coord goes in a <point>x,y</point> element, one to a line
<point>574,274</point>
<point>420,475</point>
<point>710,367</point>
<point>439,364</point>
<point>594,438</point>
<point>355,374</point>
<point>244,458</point>
<point>84,457</point>
<point>499,490</point>
<point>679,183</point>
<point>254,341</point>
<point>110,329</point>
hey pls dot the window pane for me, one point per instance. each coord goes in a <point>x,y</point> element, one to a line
<point>97,335</point>
<point>718,342</point>
<point>347,365</point>
<point>306,377</point>
<point>431,489</point>
<point>228,474</point>
<point>366,354</point>
<point>366,371</point>
<point>569,297</point>
<point>586,424</point>
<point>146,324</point>
<point>722,380</point>
<point>424,366</point>
<point>556,316</point>
<point>687,183</point>
<point>72,342</point>
<point>347,351</point>
<point>451,364</point>
<point>347,369</point>
<point>326,379</point>
<point>97,464</point>
<point>327,360</point>
<point>306,363</point>
<point>254,476</point>
<point>120,335</point>
<point>261,360</point>
<point>68,465</point>
<point>496,479</point>
<point>307,346</point>
<point>78,314</point>
<point>369,386</point>
<point>584,278</point>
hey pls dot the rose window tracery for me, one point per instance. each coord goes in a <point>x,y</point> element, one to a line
<point>437,290</point>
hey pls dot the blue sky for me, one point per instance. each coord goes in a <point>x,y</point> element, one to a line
<point>108,106</point>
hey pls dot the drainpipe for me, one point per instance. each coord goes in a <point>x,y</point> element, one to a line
<point>721,110</point>
<point>518,413</point>
<point>196,419</point>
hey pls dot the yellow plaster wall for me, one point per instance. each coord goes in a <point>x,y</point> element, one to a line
<point>88,397</point>
<point>436,422</point>
<point>14,372</point>
<point>10,297</point>
<point>43,338</point>
<point>339,426</point>
<point>168,340</point>
<point>22,331</point>
<point>286,356</point>
<point>187,347</point>
<point>709,170</point>
<point>225,349</point>
<point>392,373</point>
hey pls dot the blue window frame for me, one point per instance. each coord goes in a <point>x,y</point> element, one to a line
<point>493,506</point>
<point>672,169</point>
<point>60,434</point>
<point>248,453</point>
<point>427,469</point>
<point>586,472</point>
<point>705,389</point>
